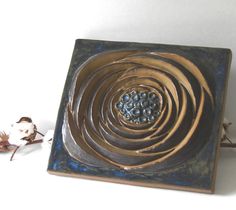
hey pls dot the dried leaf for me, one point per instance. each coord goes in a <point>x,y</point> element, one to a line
<point>3,137</point>
<point>4,144</point>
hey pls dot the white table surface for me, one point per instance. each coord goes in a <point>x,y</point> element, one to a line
<point>36,44</point>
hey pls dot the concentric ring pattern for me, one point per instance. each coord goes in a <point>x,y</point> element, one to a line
<point>96,133</point>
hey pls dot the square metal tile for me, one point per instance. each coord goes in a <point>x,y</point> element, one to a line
<point>142,114</point>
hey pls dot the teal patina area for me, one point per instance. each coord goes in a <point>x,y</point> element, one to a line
<point>139,106</point>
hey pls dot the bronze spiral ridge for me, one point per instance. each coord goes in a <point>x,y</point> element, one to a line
<point>96,133</point>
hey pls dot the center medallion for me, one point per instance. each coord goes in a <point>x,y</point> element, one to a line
<point>139,106</point>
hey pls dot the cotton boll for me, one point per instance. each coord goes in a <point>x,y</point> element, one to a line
<point>19,131</point>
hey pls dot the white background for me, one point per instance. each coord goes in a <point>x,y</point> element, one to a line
<point>36,44</point>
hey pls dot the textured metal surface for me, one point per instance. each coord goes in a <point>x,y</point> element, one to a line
<point>142,112</point>
<point>99,130</point>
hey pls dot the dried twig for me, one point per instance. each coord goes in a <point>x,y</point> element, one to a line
<point>14,153</point>
<point>225,140</point>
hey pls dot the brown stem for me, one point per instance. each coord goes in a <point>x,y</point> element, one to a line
<point>228,145</point>
<point>40,133</point>
<point>14,152</point>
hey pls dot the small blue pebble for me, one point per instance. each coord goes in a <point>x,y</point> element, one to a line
<point>119,105</point>
<point>126,97</point>
<point>151,118</point>
<point>136,97</point>
<point>137,104</point>
<point>143,95</point>
<point>144,104</point>
<point>130,105</point>
<point>147,111</point>
<point>143,119</point>
<point>136,112</point>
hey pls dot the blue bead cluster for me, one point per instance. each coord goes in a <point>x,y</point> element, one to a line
<point>139,106</point>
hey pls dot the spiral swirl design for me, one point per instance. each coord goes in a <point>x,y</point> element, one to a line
<point>96,133</point>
